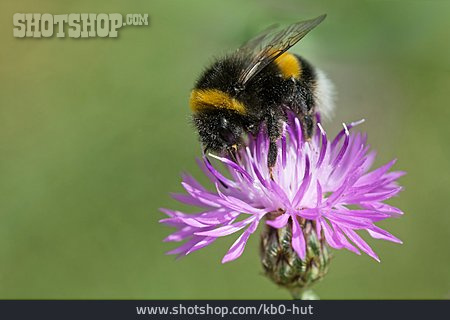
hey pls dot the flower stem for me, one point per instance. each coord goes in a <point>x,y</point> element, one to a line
<point>303,294</point>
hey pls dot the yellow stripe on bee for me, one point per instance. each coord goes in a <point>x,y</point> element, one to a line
<point>289,65</point>
<point>202,99</point>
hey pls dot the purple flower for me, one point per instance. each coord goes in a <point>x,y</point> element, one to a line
<point>327,182</point>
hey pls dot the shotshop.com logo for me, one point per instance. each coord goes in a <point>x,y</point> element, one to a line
<point>74,25</point>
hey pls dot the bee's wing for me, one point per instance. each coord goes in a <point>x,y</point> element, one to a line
<point>270,44</point>
<point>252,45</point>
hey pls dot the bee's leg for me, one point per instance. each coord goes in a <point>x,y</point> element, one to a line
<point>301,101</point>
<point>272,157</point>
<point>274,128</point>
<point>308,126</point>
<point>308,116</point>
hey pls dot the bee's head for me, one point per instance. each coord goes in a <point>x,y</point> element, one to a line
<point>219,130</point>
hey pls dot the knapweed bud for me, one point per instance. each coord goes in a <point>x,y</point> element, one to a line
<point>283,265</point>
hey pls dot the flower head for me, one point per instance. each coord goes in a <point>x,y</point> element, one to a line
<point>320,184</point>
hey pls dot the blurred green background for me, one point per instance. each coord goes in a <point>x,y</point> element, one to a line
<point>94,134</point>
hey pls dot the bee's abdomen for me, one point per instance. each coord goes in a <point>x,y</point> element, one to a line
<point>301,99</point>
<point>289,66</point>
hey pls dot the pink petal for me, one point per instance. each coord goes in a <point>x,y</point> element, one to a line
<point>298,240</point>
<point>348,221</point>
<point>342,239</point>
<point>376,174</point>
<point>279,222</point>
<point>226,230</point>
<point>201,244</point>
<point>378,233</point>
<point>331,238</point>
<point>187,178</point>
<point>239,245</point>
<point>205,197</point>
<point>191,221</point>
<point>179,235</point>
<point>353,236</point>
<point>235,166</point>
<point>382,207</point>
<point>188,199</point>
<point>236,204</point>
<point>216,174</point>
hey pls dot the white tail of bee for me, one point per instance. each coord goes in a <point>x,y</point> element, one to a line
<point>324,94</point>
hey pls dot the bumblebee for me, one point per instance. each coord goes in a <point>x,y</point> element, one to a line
<point>256,85</point>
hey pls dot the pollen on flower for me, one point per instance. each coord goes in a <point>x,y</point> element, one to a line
<point>321,189</point>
